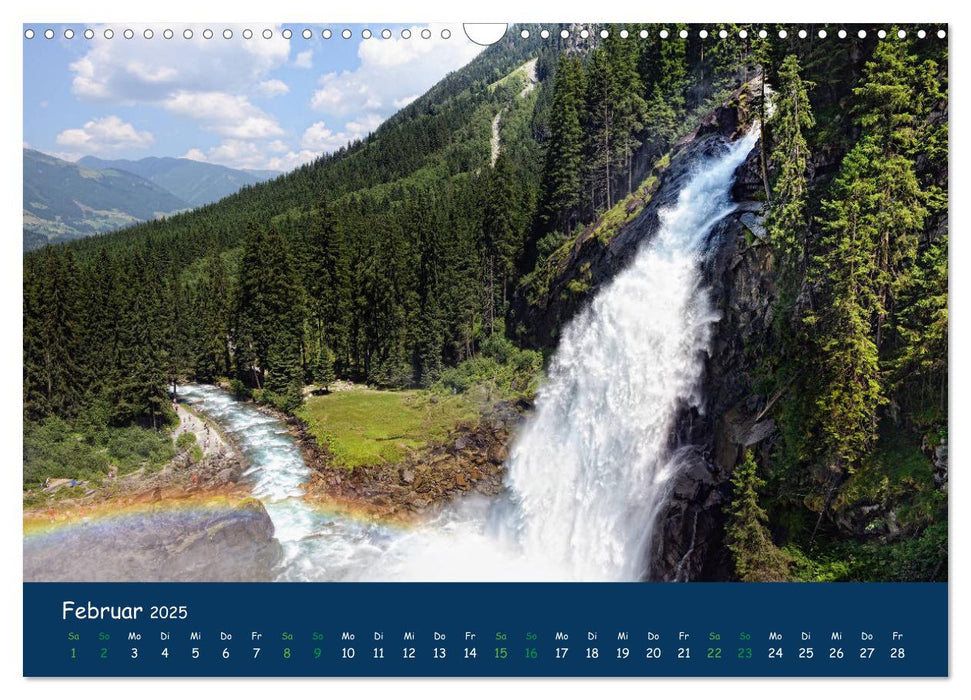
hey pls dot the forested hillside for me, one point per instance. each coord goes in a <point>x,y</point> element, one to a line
<point>397,259</point>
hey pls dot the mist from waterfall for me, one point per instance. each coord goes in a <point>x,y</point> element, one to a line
<point>591,470</point>
<point>592,466</point>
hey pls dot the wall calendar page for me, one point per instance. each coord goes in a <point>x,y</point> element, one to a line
<point>485,351</point>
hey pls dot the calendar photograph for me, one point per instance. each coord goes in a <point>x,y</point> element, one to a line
<point>602,303</point>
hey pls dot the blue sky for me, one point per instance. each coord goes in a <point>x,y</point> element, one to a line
<point>245,103</point>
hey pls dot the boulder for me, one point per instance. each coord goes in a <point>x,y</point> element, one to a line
<point>163,543</point>
<point>755,224</point>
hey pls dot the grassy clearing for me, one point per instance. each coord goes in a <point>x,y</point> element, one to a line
<point>517,79</point>
<point>367,426</point>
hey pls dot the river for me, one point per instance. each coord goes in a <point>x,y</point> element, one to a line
<point>317,544</point>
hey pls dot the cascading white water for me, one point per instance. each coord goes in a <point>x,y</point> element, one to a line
<point>318,545</point>
<point>589,472</point>
<point>590,469</point>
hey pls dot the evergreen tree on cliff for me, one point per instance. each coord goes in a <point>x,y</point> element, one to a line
<point>563,174</point>
<point>603,99</point>
<point>848,369</point>
<point>871,225</point>
<point>664,73</point>
<point>787,222</point>
<point>891,109</point>
<point>631,108</point>
<point>922,324</point>
<point>747,537</point>
<point>918,361</point>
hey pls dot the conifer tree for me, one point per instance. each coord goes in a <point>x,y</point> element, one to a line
<point>871,226</point>
<point>322,260</point>
<point>428,328</point>
<point>136,384</point>
<point>177,329</point>
<point>631,107</point>
<point>662,119</point>
<point>787,222</point>
<point>270,311</point>
<point>663,68</point>
<point>848,371</point>
<point>211,312</point>
<point>603,99</point>
<point>563,173</point>
<point>889,106</point>
<point>747,537</point>
<point>922,324</point>
<point>502,234</point>
<point>323,371</point>
<point>54,375</point>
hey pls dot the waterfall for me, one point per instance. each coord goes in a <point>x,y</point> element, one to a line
<point>592,467</point>
<point>589,473</point>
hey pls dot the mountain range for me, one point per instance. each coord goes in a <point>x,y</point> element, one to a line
<point>190,180</point>
<point>65,201</point>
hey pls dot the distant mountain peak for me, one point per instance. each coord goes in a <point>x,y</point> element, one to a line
<point>65,201</point>
<point>193,181</point>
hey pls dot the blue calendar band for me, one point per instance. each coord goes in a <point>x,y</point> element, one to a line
<point>485,630</point>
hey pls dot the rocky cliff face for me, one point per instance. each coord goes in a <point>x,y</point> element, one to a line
<point>688,536</point>
<point>594,259</point>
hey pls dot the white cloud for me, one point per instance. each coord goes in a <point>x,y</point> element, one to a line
<point>304,59</point>
<point>153,75</point>
<point>126,72</point>
<point>195,154</point>
<point>405,101</point>
<point>319,138</point>
<point>272,88</point>
<point>106,135</point>
<point>276,154</point>
<point>234,153</point>
<point>208,81</point>
<point>364,126</point>
<point>393,72</point>
<point>291,160</point>
<point>231,152</point>
<point>232,116</point>
<point>215,84</point>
